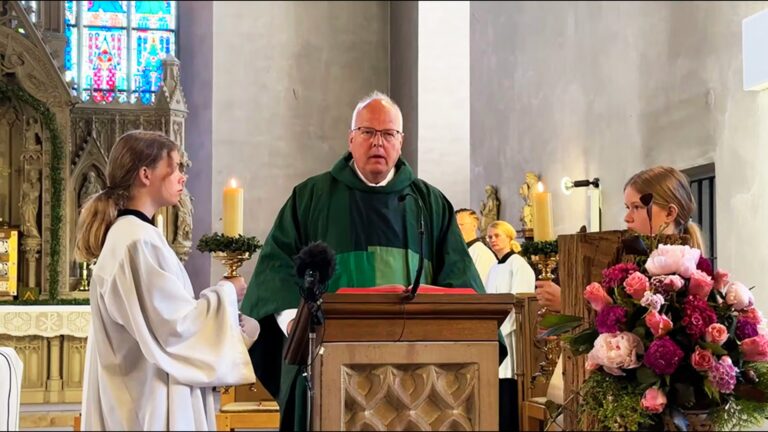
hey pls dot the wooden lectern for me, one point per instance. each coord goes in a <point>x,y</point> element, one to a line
<point>387,364</point>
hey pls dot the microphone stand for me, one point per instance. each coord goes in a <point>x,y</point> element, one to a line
<point>313,303</point>
<point>417,280</point>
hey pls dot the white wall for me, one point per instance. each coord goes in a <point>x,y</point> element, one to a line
<point>286,77</point>
<point>443,98</point>
<point>604,89</point>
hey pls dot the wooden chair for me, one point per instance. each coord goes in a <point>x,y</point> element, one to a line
<point>247,406</point>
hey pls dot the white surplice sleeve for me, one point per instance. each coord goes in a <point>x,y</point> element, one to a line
<point>197,341</point>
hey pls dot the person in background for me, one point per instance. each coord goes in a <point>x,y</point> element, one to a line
<point>511,275</point>
<point>482,255</point>
<point>154,351</point>
<point>671,211</point>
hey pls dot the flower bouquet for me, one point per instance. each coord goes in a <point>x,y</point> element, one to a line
<point>674,345</point>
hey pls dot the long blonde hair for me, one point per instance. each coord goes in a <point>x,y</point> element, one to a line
<point>508,231</point>
<point>133,151</point>
<point>670,187</point>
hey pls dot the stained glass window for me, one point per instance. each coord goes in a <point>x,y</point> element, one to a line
<point>115,48</point>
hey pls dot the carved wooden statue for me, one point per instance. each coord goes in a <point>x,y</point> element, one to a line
<point>489,208</point>
<point>30,203</point>
<point>526,193</point>
<point>90,188</point>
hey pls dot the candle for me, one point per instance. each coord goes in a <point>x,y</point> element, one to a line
<point>542,215</point>
<point>159,224</point>
<point>233,209</point>
<point>594,209</point>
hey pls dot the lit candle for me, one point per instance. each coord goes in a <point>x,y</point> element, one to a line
<point>542,215</point>
<point>233,209</point>
<point>160,224</point>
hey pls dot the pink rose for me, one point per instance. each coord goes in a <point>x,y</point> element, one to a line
<point>701,284</point>
<point>596,296</point>
<point>702,359</point>
<point>616,351</point>
<point>636,285</point>
<point>716,334</point>
<point>658,323</point>
<point>654,400</point>
<point>669,259</point>
<point>755,348</point>
<point>738,296</point>
<point>673,282</point>
<point>721,280</point>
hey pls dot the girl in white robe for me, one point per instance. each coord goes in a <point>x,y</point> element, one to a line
<point>154,352</point>
<point>511,275</point>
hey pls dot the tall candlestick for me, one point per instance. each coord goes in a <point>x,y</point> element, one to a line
<point>233,209</point>
<point>542,215</point>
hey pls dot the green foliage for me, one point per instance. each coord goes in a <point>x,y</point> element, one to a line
<point>741,415</point>
<point>530,248</point>
<point>582,342</point>
<point>613,403</point>
<point>557,324</point>
<point>221,243</point>
<point>57,152</point>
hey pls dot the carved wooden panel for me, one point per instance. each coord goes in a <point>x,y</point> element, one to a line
<point>410,397</point>
<point>73,354</point>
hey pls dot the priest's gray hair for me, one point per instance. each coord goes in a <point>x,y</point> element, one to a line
<point>371,97</point>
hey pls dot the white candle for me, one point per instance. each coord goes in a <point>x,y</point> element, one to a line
<point>233,209</point>
<point>542,215</point>
<point>595,209</point>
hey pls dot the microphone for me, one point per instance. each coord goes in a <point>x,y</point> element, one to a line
<point>417,279</point>
<point>316,263</point>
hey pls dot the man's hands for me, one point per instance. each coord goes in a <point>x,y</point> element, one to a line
<point>548,295</point>
<point>240,286</point>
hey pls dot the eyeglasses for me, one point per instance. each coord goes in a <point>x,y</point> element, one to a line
<point>368,134</point>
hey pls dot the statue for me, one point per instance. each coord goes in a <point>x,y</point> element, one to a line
<point>489,208</point>
<point>90,188</point>
<point>526,192</point>
<point>184,212</point>
<point>30,201</point>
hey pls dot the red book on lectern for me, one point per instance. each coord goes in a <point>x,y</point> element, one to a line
<point>400,289</point>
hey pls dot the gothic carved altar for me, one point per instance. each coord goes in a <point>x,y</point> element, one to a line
<point>54,150</point>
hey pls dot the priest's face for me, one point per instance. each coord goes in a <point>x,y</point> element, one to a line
<point>170,179</point>
<point>376,139</point>
<point>636,217</point>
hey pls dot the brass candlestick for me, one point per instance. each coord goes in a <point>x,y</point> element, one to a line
<point>232,261</point>
<point>83,277</point>
<point>550,345</point>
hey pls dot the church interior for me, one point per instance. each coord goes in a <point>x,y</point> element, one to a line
<point>497,99</point>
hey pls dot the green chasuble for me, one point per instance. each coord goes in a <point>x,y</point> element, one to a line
<point>375,238</point>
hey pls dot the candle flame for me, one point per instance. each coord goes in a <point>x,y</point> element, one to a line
<point>232,183</point>
<point>540,187</point>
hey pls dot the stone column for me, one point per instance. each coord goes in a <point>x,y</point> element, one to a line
<point>53,385</point>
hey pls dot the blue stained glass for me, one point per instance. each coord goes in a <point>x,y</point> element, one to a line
<point>105,14</point>
<point>149,49</point>
<point>106,62</point>
<point>157,15</point>
<point>70,12</point>
<point>70,54</point>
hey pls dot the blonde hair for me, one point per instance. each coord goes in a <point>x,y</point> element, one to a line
<point>133,151</point>
<point>670,187</point>
<point>508,231</point>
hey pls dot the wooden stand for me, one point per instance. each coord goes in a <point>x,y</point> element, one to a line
<point>385,364</point>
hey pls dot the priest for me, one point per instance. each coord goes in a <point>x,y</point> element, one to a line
<point>368,209</point>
